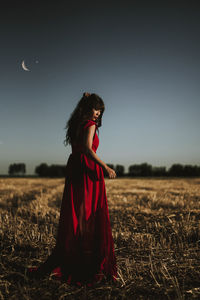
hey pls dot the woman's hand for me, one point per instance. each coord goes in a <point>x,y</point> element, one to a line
<point>111,172</point>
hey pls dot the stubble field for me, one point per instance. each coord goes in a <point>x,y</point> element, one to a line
<point>156,231</point>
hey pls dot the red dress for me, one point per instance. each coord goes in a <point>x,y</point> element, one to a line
<point>84,251</point>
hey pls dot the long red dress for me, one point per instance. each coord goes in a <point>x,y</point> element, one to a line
<point>84,251</point>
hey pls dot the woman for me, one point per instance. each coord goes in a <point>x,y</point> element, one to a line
<point>84,251</point>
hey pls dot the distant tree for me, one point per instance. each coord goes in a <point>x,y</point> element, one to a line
<point>134,170</point>
<point>176,170</point>
<point>57,171</point>
<point>146,169</point>
<point>119,169</point>
<point>42,170</point>
<point>197,170</point>
<point>17,169</point>
<point>11,170</point>
<point>143,169</point>
<point>159,171</point>
<point>189,171</point>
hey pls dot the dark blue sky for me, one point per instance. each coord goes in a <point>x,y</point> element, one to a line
<point>141,57</point>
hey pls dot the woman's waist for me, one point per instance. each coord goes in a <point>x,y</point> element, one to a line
<point>79,151</point>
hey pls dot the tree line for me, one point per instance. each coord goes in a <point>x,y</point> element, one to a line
<point>135,170</point>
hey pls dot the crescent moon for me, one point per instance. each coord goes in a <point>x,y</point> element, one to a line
<point>24,66</point>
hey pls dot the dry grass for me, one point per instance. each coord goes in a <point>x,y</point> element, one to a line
<point>155,225</point>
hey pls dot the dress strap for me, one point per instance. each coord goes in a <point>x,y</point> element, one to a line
<point>89,123</point>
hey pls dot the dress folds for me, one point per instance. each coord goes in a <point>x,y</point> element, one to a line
<point>84,250</point>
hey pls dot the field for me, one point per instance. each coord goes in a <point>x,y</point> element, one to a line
<point>156,231</point>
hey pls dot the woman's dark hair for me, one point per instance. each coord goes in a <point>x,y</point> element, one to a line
<point>82,113</point>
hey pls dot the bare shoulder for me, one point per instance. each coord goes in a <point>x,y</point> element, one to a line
<point>90,130</point>
<point>89,134</point>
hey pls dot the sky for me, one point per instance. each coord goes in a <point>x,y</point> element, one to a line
<point>141,57</point>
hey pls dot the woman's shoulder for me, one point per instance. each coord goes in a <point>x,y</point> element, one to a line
<point>88,123</point>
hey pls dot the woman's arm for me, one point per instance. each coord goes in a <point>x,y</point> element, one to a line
<point>87,142</point>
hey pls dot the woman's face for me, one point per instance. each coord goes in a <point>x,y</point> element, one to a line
<point>95,114</point>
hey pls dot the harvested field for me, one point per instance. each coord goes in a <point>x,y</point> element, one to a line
<point>156,231</point>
